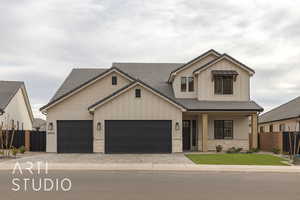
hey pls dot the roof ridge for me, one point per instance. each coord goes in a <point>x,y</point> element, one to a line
<point>280,106</point>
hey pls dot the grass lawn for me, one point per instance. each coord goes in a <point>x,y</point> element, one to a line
<point>236,159</point>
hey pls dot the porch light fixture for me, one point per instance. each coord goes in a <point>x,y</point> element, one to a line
<point>99,126</point>
<point>177,127</point>
<point>50,126</point>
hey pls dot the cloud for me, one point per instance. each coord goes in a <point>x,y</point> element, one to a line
<point>43,40</point>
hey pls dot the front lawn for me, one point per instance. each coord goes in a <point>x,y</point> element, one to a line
<point>236,159</point>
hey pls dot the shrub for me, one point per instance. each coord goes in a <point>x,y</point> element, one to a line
<point>22,149</point>
<point>253,150</point>
<point>234,150</point>
<point>219,148</point>
<point>14,151</point>
<point>276,150</point>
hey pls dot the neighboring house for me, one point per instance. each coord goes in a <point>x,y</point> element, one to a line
<point>154,107</point>
<point>39,124</point>
<point>285,117</point>
<point>15,105</point>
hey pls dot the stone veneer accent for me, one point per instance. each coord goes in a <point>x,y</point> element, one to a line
<point>227,144</point>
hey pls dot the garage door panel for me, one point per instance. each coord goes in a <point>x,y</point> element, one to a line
<point>138,136</point>
<point>74,136</point>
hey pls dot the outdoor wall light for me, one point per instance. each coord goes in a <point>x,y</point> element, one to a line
<point>50,126</point>
<point>177,127</point>
<point>99,126</point>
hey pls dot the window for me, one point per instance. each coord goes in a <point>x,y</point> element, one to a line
<point>114,80</point>
<point>137,93</point>
<point>282,127</point>
<point>18,125</point>
<point>223,129</point>
<point>191,84</point>
<point>271,128</point>
<point>261,129</point>
<point>223,85</point>
<point>12,124</point>
<point>183,84</point>
<point>22,126</point>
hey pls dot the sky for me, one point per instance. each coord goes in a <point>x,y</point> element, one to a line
<point>41,41</point>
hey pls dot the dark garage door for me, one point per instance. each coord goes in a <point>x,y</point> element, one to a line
<point>75,136</point>
<point>138,136</point>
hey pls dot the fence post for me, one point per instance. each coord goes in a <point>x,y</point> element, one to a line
<point>27,140</point>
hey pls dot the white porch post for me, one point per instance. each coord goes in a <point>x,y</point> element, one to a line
<point>205,132</point>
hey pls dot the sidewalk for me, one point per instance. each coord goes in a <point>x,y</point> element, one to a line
<point>156,167</point>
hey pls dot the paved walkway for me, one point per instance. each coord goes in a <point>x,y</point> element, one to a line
<point>150,162</point>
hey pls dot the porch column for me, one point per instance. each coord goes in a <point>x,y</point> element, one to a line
<point>204,132</point>
<point>254,134</point>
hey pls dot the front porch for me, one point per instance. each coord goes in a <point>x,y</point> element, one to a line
<point>204,131</point>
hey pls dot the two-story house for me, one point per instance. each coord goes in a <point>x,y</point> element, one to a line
<point>154,107</point>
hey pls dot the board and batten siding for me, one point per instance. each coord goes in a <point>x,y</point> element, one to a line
<point>240,132</point>
<point>188,72</point>
<point>17,110</point>
<point>128,107</point>
<point>241,87</point>
<point>76,106</point>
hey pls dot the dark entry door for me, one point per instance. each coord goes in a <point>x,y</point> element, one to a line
<point>138,136</point>
<point>75,136</point>
<point>186,135</point>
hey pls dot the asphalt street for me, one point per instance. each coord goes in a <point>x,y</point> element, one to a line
<point>139,185</point>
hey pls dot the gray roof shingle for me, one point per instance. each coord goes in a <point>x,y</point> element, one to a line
<point>156,76</point>
<point>288,110</point>
<point>8,89</point>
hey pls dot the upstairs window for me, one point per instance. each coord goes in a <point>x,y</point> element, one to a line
<point>138,93</point>
<point>191,84</point>
<point>282,127</point>
<point>183,84</point>
<point>114,80</point>
<point>223,129</point>
<point>271,128</point>
<point>187,84</point>
<point>223,85</point>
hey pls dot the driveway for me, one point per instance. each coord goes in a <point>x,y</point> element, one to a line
<point>106,158</point>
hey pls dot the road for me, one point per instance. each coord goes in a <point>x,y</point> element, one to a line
<point>140,185</point>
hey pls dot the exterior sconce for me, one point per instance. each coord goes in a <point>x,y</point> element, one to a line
<point>99,126</point>
<point>177,127</point>
<point>50,126</point>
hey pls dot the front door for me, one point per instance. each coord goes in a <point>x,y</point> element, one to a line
<point>186,135</point>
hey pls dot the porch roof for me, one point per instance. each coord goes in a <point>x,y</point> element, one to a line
<point>195,105</point>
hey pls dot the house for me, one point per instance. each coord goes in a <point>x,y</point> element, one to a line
<point>15,106</point>
<point>39,124</point>
<point>154,107</point>
<point>285,117</point>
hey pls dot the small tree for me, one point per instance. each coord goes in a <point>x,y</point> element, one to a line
<point>6,136</point>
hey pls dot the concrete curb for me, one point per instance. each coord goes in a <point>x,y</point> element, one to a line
<point>156,167</point>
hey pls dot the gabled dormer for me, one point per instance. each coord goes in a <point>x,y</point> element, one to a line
<point>183,79</point>
<point>212,77</point>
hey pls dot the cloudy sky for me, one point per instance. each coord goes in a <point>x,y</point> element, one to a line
<point>41,41</point>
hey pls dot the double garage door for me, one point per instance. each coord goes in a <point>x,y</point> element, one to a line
<point>121,136</point>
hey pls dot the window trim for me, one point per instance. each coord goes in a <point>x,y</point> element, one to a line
<point>138,93</point>
<point>183,82</point>
<point>114,80</point>
<point>222,81</point>
<point>216,136</point>
<point>193,83</point>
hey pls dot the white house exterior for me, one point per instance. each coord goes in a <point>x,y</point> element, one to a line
<point>15,104</point>
<point>154,107</point>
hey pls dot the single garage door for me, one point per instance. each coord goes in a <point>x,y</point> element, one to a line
<point>75,136</point>
<point>138,136</point>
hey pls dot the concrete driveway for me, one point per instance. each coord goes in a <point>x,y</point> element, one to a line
<point>106,158</point>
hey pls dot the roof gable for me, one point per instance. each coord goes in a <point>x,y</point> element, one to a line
<point>287,110</point>
<point>228,58</point>
<point>83,85</point>
<point>8,90</point>
<point>188,64</point>
<point>128,87</point>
